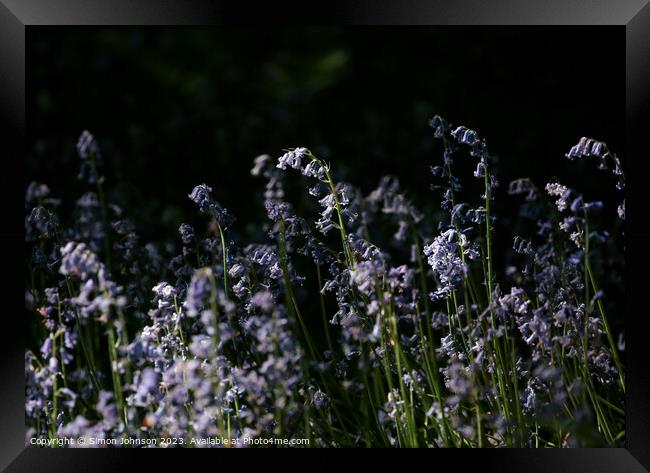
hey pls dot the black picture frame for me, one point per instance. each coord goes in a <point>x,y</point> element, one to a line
<point>18,16</point>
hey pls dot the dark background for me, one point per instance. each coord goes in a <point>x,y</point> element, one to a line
<point>176,107</point>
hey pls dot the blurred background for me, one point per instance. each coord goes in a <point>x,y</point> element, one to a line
<point>175,107</point>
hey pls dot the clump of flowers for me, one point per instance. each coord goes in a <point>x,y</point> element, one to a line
<point>325,328</point>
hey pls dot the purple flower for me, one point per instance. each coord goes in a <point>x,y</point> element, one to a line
<point>263,300</point>
<point>78,260</point>
<point>439,125</point>
<point>621,210</point>
<point>523,186</point>
<point>587,147</point>
<point>558,190</point>
<point>292,158</point>
<point>187,234</point>
<point>202,196</point>
<point>87,145</point>
<point>43,221</point>
<point>199,292</point>
<point>443,255</point>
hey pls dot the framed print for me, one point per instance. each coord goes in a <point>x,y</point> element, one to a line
<point>359,225</point>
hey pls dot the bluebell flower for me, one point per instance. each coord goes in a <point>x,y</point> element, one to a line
<point>43,221</point>
<point>107,408</point>
<point>365,274</point>
<point>146,388</point>
<point>314,169</point>
<point>621,210</point>
<point>87,145</point>
<point>480,170</point>
<point>276,210</point>
<point>439,125</point>
<point>78,260</point>
<point>587,147</point>
<point>470,138</point>
<point>187,234</point>
<point>523,186</point>
<point>465,135</point>
<point>443,255</point>
<point>68,397</point>
<point>562,192</point>
<point>261,163</point>
<point>264,256</point>
<point>199,292</point>
<point>320,399</point>
<point>458,380</point>
<point>522,246</point>
<point>88,151</point>
<point>36,192</point>
<point>237,270</point>
<point>577,204</point>
<point>292,158</point>
<point>202,196</point>
<point>591,206</point>
<point>264,300</point>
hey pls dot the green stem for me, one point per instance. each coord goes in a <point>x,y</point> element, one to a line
<point>102,201</point>
<point>344,238</point>
<point>608,332</point>
<point>225,259</point>
<point>323,311</point>
<point>292,304</point>
<point>500,361</point>
<point>117,384</point>
<point>215,344</point>
<point>55,389</point>
<point>479,428</point>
